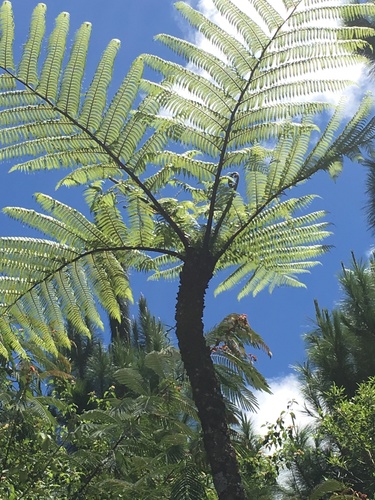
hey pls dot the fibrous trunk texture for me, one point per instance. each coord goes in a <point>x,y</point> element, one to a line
<point>194,278</point>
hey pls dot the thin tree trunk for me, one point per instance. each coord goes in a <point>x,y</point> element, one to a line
<point>194,278</point>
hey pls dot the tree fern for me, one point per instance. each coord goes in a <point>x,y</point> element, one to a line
<point>250,107</point>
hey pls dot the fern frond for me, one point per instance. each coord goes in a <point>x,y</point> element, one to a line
<point>95,100</point>
<point>203,89</point>
<point>6,36</point>
<point>118,110</point>
<point>222,75</point>
<point>232,50</point>
<point>45,285</point>
<point>88,174</point>
<point>253,35</point>
<point>50,74</point>
<point>28,67</point>
<point>274,253</point>
<point>70,92</point>
<point>109,221</point>
<point>270,16</point>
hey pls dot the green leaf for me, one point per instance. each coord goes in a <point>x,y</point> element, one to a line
<point>28,67</point>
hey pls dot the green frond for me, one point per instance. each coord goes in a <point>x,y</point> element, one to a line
<point>314,13</point>
<point>276,248</point>
<point>332,35</point>
<point>131,136</point>
<point>175,164</point>
<point>237,55</point>
<point>356,132</point>
<point>253,35</point>
<point>99,416</point>
<point>51,303</point>
<point>95,100</point>
<point>141,223</point>
<point>109,221</point>
<point>9,338</point>
<point>32,218</point>
<point>72,218</point>
<point>70,91</point>
<point>21,133</point>
<point>7,83</point>
<point>268,13</point>
<point>133,380</point>
<point>21,115</point>
<point>84,294</point>
<point>315,60</point>
<point>51,70</point>
<point>261,132</point>
<point>45,285</point>
<point>69,305</point>
<point>278,111</point>
<point>232,382</point>
<point>33,256</point>
<point>32,317</point>
<point>88,174</point>
<point>69,227</point>
<point>50,145</point>
<point>171,273</point>
<point>292,90</point>
<point>188,110</point>
<point>188,485</point>
<point>288,157</point>
<point>160,362</point>
<point>139,160</point>
<point>65,159</point>
<point>6,36</point>
<point>191,137</point>
<point>28,67</point>
<point>103,289</point>
<point>224,76</point>
<point>203,89</point>
<point>118,110</point>
<point>330,148</point>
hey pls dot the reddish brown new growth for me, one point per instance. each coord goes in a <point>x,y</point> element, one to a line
<point>355,494</point>
<point>242,318</point>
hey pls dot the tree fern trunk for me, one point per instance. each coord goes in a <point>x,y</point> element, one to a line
<point>194,278</point>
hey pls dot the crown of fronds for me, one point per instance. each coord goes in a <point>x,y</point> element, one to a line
<point>249,107</point>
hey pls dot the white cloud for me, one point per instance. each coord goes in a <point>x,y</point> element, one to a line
<point>284,390</point>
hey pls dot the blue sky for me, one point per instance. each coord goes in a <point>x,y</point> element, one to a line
<point>281,318</point>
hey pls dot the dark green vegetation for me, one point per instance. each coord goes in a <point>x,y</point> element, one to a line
<point>185,176</point>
